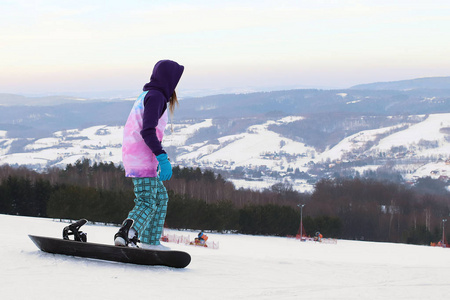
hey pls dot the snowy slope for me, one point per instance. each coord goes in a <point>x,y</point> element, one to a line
<point>353,143</point>
<point>253,147</point>
<point>244,267</point>
<point>181,132</point>
<point>424,141</point>
<point>425,147</point>
<point>428,130</point>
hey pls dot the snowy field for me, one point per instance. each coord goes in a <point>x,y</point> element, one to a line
<point>244,267</point>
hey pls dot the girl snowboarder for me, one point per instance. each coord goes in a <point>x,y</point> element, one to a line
<point>143,155</point>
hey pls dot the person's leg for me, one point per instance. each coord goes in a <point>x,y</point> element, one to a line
<point>155,226</point>
<point>144,209</point>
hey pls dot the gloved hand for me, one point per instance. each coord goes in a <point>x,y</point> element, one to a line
<point>164,166</point>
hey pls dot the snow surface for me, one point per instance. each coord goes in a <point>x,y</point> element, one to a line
<point>244,267</point>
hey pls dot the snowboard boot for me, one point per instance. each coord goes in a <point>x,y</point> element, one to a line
<point>126,236</point>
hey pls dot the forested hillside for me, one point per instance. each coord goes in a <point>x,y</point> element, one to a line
<point>339,208</point>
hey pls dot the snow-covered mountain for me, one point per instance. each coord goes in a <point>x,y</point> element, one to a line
<point>258,156</point>
<point>97,143</point>
<point>255,139</point>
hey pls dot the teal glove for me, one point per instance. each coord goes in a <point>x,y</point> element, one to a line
<point>165,167</point>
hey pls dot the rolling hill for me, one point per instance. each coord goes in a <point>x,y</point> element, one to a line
<point>256,139</point>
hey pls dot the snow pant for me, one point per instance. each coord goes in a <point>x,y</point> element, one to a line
<point>150,209</point>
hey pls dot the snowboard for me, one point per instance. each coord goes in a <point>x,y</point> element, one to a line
<point>80,247</point>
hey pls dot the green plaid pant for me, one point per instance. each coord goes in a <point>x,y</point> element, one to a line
<point>150,209</point>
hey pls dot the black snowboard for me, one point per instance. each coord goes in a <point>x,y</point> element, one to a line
<point>79,247</point>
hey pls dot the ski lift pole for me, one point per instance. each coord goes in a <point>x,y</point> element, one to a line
<point>301,220</point>
<point>443,232</point>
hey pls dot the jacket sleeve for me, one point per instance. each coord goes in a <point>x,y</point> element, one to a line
<point>154,107</point>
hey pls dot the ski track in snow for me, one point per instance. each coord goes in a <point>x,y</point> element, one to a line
<point>244,267</point>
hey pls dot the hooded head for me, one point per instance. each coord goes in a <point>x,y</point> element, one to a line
<point>165,77</point>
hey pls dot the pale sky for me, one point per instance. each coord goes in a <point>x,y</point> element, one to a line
<point>66,46</point>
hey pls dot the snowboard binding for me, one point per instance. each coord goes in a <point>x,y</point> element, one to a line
<point>126,236</point>
<point>74,229</point>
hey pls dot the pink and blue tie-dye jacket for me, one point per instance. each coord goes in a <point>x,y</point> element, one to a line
<point>138,158</point>
<point>147,120</point>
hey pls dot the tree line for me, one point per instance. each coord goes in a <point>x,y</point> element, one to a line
<point>339,208</point>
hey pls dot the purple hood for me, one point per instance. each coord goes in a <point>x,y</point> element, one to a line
<point>165,77</point>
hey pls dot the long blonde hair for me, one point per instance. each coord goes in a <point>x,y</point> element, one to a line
<point>173,101</point>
